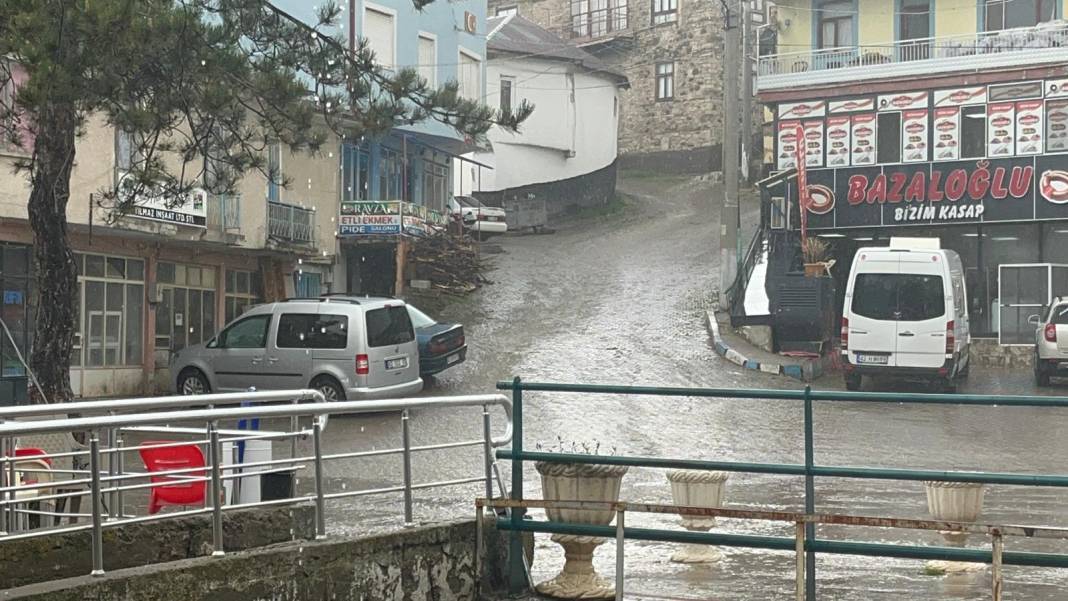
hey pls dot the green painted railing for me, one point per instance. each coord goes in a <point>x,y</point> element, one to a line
<point>516,523</point>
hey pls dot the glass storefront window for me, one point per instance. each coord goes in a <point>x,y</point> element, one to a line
<point>111,312</point>
<point>242,291</point>
<point>15,308</point>
<point>186,312</point>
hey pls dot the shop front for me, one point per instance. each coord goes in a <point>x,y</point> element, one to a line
<point>981,168</point>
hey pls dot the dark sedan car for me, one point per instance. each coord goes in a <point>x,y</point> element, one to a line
<point>441,345</point>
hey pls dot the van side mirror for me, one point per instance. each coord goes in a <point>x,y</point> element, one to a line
<point>1034,320</point>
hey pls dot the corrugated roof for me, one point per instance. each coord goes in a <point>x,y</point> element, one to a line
<point>513,34</point>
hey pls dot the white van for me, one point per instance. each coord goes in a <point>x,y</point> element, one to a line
<point>906,314</point>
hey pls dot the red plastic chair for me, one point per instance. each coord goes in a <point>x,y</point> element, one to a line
<point>178,491</point>
<point>32,452</point>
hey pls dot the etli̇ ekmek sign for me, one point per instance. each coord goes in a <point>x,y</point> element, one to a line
<point>1016,189</point>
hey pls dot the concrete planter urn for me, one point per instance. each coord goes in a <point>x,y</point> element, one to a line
<point>579,482</point>
<point>693,488</point>
<point>954,502</point>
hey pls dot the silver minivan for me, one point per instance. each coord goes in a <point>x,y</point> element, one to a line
<point>348,348</point>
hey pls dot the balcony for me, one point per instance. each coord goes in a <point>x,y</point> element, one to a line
<point>600,25</point>
<point>1025,46</point>
<point>289,223</point>
<point>224,213</point>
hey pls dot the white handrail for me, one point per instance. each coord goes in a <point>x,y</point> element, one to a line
<point>164,402</point>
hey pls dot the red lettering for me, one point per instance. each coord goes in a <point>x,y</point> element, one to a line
<point>933,193</point>
<point>978,184</point>
<point>914,193</point>
<point>877,192</point>
<point>1020,183</point>
<point>857,185</point>
<point>956,183</point>
<point>897,182</point>
<point>997,189</point>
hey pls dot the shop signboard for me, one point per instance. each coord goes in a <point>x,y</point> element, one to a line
<point>838,147</point>
<point>788,144</point>
<point>947,134</point>
<point>1056,125</point>
<point>802,110</point>
<point>156,206</point>
<point>903,101</point>
<point>1056,88</point>
<point>1001,119</point>
<point>370,218</point>
<point>851,105</point>
<point>813,142</point>
<point>1029,126</point>
<point>960,96</point>
<point>914,136</point>
<point>863,147</point>
<point>955,192</point>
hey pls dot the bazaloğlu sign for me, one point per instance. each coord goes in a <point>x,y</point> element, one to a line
<point>973,191</point>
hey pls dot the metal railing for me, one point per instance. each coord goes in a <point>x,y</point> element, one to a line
<point>224,212</point>
<point>600,22</point>
<point>736,293</point>
<point>114,482</point>
<point>948,49</point>
<point>811,545</point>
<point>291,223</point>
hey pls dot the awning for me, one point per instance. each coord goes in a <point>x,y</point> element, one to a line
<point>450,146</point>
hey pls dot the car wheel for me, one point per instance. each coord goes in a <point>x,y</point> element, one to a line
<point>329,387</point>
<point>191,381</point>
<point>853,382</point>
<point>949,386</point>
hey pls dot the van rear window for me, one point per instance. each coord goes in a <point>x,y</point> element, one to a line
<point>389,326</point>
<point>899,296</point>
<point>310,330</point>
<point>1059,315</point>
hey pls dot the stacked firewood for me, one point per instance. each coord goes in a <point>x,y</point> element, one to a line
<point>452,264</point>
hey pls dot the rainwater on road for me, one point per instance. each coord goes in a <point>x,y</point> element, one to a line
<point>621,300</point>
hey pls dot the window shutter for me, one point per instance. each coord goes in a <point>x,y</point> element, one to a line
<point>378,29</point>
<point>427,60</point>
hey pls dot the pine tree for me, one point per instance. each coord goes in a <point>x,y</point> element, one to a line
<point>191,83</point>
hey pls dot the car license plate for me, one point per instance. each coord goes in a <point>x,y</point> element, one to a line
<point>452,359</point>
<point>872,359</point>
<point>401,363</point>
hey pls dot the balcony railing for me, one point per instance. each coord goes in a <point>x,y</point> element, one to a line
<point>224,212</point>
<point>1022,45</point>
<point>600,22</point>
<point>290,223</point>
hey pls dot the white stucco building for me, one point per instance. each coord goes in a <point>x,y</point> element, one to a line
<point>566,151</point>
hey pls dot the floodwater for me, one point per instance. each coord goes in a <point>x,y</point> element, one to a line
<point>621,301</point>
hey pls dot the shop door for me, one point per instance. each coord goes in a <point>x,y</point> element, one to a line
<point>372,270</point>
<point>1023,291</point>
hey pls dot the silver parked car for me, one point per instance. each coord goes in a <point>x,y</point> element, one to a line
<point>346,347</point>
<point>1051,342</point>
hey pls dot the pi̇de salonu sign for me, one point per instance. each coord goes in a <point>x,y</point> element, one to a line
<point>985,190</point>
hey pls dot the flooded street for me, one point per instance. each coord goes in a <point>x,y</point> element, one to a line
<point>621,300</point>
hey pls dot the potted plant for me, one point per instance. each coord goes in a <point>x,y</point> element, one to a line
<point>814,252</point>
<point>579,482</point>
<point>695,488</point>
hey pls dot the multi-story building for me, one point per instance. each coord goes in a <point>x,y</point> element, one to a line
<point>162,278</point>
<point>929,118</point>
<point>669,50</point>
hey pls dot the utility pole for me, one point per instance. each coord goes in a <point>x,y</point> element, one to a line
<point>747,87</point>
<point>728,223</point>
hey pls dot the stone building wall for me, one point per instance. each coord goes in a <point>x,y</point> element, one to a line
<point>683,134</point>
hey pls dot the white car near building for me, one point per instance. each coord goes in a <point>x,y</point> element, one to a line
<point>482,221</point>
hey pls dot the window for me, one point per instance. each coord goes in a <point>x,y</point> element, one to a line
<point>973,132</point>
<point>250,332</point>
<point>428,59</point>
<point>1058,314</point>
<point>379,31</point>
<point>888,145</point>
<point>186,312</point>
<point>665,81</point>
<point>899,296</point>
<point>469,76</point>
<point>274,171</point>
<point>504,11</point>
<point>1006,14</point>
<point>506,94</point>
<point>389,326</point>
<point>355,172</point>
<point>242,291</point>
<point>435,185</point>
<point>836,22</point>
<point>914,23</point>
<point>596,18</point>
<point>308,330</point>
<point>127,152</point>
<point>15,308</point>
<point>111,311</point>
<point>665,11</point>
<point>390,175</point>
<point>308,284</point>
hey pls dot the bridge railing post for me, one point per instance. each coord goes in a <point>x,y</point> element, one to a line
<point>517,577</point>
<point>810,500</point>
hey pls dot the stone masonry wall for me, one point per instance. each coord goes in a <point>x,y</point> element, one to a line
<point>682,134</point>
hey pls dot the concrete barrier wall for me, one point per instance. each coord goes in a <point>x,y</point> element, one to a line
<point>428,563</point>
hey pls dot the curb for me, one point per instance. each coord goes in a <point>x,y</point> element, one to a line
<point>806,372</point>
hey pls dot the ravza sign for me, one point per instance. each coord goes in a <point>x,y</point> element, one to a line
<point>1013,189</point>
